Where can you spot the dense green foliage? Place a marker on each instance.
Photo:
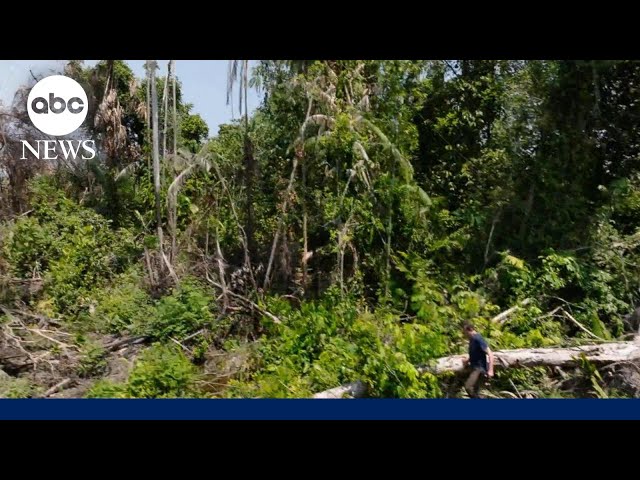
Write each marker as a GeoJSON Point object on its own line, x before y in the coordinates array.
{"type": "Point", "coordinates": [160, 372]}
{"type": "Point", "coordinates": [71, 247]}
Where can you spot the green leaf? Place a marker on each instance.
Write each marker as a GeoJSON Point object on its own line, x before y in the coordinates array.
{"type": "Point", "coordinates": [515, 261]}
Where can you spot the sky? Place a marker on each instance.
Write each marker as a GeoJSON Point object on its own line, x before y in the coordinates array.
{"type": "Point", "coordinates": [204, 84]}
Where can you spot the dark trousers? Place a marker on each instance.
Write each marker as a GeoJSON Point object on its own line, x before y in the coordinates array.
{"type": "Point", "coordinates": [475, 381]}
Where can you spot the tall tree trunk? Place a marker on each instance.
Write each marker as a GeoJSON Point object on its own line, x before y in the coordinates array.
{"type": "Point", "coordinates": [152, 66]}
{"type": "Point", "coordinates": [175, 108]}
{"type": "Point", "coordinates": [388, 255]}
{"type": "Point", "coordinates": [249, 162]}
{"type": "Point", "coordinates": [172, 73]}
{"type": "Point", "coordinates": [496, 218]}
{"type": "Point", "coordinates": [305, 251]}
{"type": "Point", "coordinates": [165, 105]}
{"type": "Point", "coordinates": [149, 117]}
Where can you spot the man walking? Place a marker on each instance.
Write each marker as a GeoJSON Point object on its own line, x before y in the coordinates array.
{"type": "Point", "coordinates": [480, 360]}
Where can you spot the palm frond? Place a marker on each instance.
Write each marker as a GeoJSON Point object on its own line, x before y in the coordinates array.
{"type": "Point", "coordinates": [406, 169]}
{"type": "Point", "coordinates": [232, 76]}
{"type": "Point", "coordinates": [360, 151]}
{"type": "Point", "coordinates": [199, 163]}
{"type": "Point", "coordinates": [243, 67]}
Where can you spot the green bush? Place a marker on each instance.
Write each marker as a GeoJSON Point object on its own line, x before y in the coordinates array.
{"type": "Point", "coordinates": [123, 306]}
{"type": "Point", "coordinates": [325, 344]}
{"type": "Point", "coordinates": [107, 389]}
{"type": "Point", "coordinates": [72, 247]}
{"type": "Point", "coordinates": [17, 388]}
{"type": "Point", "coordinates": [183, 312]}
{"type": "Point", "coordinates": [92, 362]}
{"type": "Point", "coordinates": [161, 371]}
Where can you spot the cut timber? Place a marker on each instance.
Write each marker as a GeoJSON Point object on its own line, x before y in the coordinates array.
{"type": "Point", "coordinates": [602, 354]}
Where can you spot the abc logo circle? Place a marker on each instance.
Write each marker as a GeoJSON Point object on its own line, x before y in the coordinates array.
{"type": "Point", "coordinates": [57, 105]}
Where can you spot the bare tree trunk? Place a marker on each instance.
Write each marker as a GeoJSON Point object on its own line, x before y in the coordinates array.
{"type": "Point", "coordinates": [171, 74]}
{"type": "Point", "coordinates": [249, 166]}
{"type": "Point", "coordinates": [388, 254]}
{"type": "Point", "coordinates": [175, 108]}
{"type": "Point", "coordinates": [341, 266]}
{"type": "Point", "coordinates": [149, 117]}
{"type": "Point", "coordinates": [165, 104]}
{"type": "Point", "coordinates": [221, 274]}
{"type": "Point", "coordinates": [600, 355]}
{"type": "Point", "coordinates": [152, 276]}
{"type": "Point", "coordinates": [305, 249]}
{"type": "Point", "coordinates": [493, 227]}
{"type": "Point", "coordinates": [152, 66]}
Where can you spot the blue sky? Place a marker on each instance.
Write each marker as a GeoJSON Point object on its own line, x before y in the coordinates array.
{"type": "Point", "coordinates": [204, 84]}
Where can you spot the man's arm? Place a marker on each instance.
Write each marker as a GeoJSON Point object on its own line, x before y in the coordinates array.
{"type": "Point", "coordinates": [490, 366]}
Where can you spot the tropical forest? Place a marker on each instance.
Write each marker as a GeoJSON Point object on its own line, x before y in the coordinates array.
{"type": "Point", "coordinates": [331, 242]}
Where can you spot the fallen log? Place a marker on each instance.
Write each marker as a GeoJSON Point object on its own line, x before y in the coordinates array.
{"type": "Point", "coordinates": [125, 342]}
{"type": "Point", "coordinates": [600, 355]}
{"type": "Point", "coordinates": [57, 387]}
{"type": "Point", "coordinates": [354, 389]}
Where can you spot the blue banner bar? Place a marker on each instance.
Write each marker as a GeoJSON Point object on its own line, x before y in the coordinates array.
{"type": "Point", "coordinates": [319, 409]}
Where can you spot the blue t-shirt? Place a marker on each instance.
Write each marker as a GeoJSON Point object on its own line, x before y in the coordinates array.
{"type": "Point", "coordinates": [478, 352]}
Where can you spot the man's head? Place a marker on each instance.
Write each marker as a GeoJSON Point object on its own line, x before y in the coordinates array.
{"type": "Point", "coordinates": [468, 329]}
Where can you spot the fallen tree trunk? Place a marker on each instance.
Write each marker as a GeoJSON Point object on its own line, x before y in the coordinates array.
{"type": "Point", "coordinates": [601, 354]}
{"type": "Point", "coordinates": [125, 342]}
{"type": "Point", "coordinates": [354, 389]}
{"type": "Point", "coordinates": [57, 387]}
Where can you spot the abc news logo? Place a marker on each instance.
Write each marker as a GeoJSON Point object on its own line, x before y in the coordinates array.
{"type": "Point", "coordinates": [40, 105]}
{"type": "Point", "coordinates": [57, 106]}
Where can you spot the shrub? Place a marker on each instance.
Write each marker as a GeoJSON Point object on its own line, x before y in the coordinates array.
{"type": "Point", "coordinates": [16, 387]}
{"type": "Point", "coordinates": [183, 312]}
{"type": "Point", "coordinates": [123, 306]}
{"type": "Point", "coordinates": [162, 371]}
{"type": "Point", "coordinates": [72, 247]}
